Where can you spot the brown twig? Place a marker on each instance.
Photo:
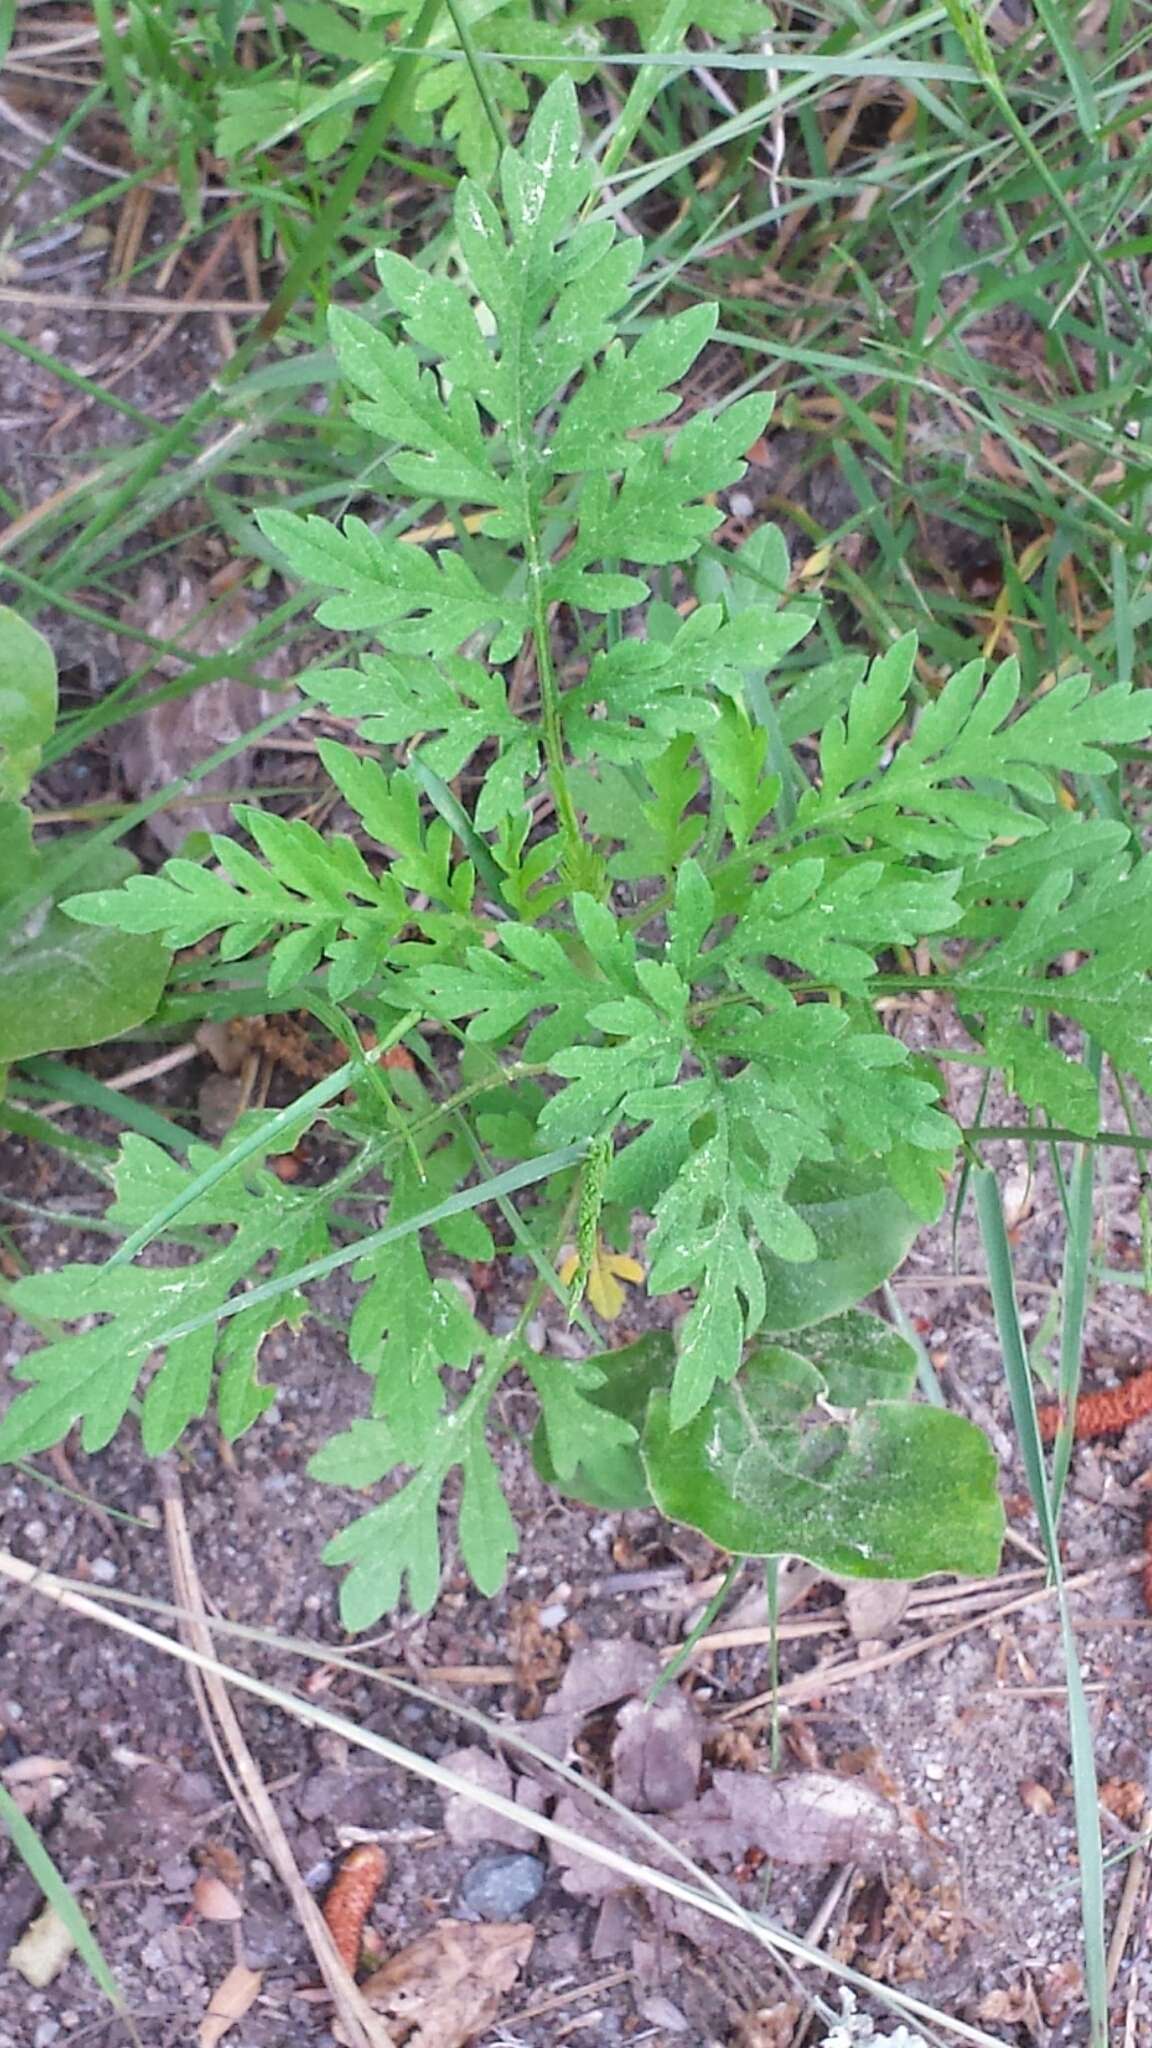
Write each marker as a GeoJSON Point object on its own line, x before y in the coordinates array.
{"type": "Point", "coordinates": [132, 302]}
{"type": "Point", "coordinates": [1125, 1914]}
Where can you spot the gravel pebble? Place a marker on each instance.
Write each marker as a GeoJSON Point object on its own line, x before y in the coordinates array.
{"type": "Point", "coordinates": [500, 1887]}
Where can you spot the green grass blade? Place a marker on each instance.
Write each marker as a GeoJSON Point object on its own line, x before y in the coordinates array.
{"type": "Point", "coordinates": [115, 73]}
{"type": "Point", "coordinates": [39, 1864]}
{"type": "Point", "coordinates": [1077, 1264]}
{"type": "Point", "coordinates": [525, 1175]}
{"type": "Point", "coordinates": [25, 1123]}
{"type": "Point", "coordinates": [1056, 22]}
{"type": "Point", "coordinates": [454, 815]}
{"type": "Point", "coordinates": [259, 1140]}
{"type": "Point", "coordinates": [997, 1252]}
{"type": "Point", "coordinates": [73, 1084]}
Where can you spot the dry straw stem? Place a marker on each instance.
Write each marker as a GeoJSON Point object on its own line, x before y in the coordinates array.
{"type": "Point", "coordinates": [1125, 1915]}
{"type": "Point", "coordinates": [209, 1685]}
{"type": "Point", "coordinates": [833, 1677]}
{"type": "Point", "coordinates": [643, 1876]}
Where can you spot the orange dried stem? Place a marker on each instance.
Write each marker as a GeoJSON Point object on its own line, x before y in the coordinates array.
{"type": "Point", "coordinates": [351, 1896]}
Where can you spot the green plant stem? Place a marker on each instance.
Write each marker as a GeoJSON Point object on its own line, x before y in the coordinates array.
{"type": "Point", "coordinates": [676, 1663]}
{"type": "Point", "coordinates": [476, 67]}
{"type": "Point", "coordinates": [1124, 1141]}
{"type": "Point", "coordinates": [551, 721]}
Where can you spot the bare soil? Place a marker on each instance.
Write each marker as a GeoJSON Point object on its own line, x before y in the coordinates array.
{"type": "Point", "coordinates": [958, 1712]}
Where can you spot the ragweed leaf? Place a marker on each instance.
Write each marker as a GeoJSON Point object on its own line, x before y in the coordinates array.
{"type": "Point", "coordinates": [399, 1541]}
{"type": "Point", "coordinates": [914, 799]}
{"type": "Point", "coordinates": [90, 1377]}
{"type": "Point", "coordinates": [316, 895]}
{"type": "Point", "coordinates": [590, 1417]}
{"type": "Point", "coordinates": [396, 699]}
{"type": "Point", "coordinates": [1105, 918]}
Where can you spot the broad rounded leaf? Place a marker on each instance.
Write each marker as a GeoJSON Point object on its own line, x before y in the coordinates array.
{"type": "Point", "coordinates": [860, 1358]}
{"type": "Point", "coordinates": [27, 701]}
{"type": "Point", "coordinates": [863, 1229]}
{"type": "Point", "coordinates": [64, 984]}
{"type": "Point", "coordinates": [19, 858]}
{"type": "Point", "coordinates": [893, 1490]}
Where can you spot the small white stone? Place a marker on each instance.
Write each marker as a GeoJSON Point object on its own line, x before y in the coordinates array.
{"type": "Point", "coordinates": [104, 1571]}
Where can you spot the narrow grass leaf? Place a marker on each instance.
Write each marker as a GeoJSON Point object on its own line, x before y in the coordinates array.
{"type": "Point", "coordinates": [40, 1866]}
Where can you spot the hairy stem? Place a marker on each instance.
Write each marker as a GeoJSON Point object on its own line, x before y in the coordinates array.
{"type": "Point", "coordinates": [551, 723]}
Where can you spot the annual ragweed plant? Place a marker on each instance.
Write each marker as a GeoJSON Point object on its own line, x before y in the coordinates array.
{"type": "Point", "coordinates": [630, 888]}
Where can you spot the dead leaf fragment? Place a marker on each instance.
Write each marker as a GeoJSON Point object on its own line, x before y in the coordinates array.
{"type": "Point", "coordinates": [165, 743]}
{"type": "Point", "coordinates": [806, 1817]}
{"type": "Point", "coordinates": [582, 1876]}
{"type": "Point", "coordinates": [1124, 1799]}
{"type": "Point", "coordinates": [42, 1950]}
{"type": "Point", "coordinates": [466, 1822]}
{"type": "Point", "coordinates": [1036, 1798]}
{"type": "Point", "coordinates": [1019, 1195]}
{"type": "Point", "coordinates": [212, 1899]}
{"type": "Point", "coordinates": [657, 1753]}
{"type": "Point", "coordinates": [229, 2002]}
{"type": "Point", "coordinates": [1014, 2006]}
{"type": "Point", "coordinates": [30, 1770]}
{"type": "Point", "coordinates": [37, 1782]}
{"type": "Point", "coordinates": [223, 1861]}
{"type": "Point", "coordinates": [1063, 1984]}
{"type": "Point", "coordinates": [448, 1986]}
{"type": "Point", "coordinates": [600, 1673]}
{"type": "Point", "coordinates": [770, 2026]}
{"type": "Point", "coordinates": [874, 1608]}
